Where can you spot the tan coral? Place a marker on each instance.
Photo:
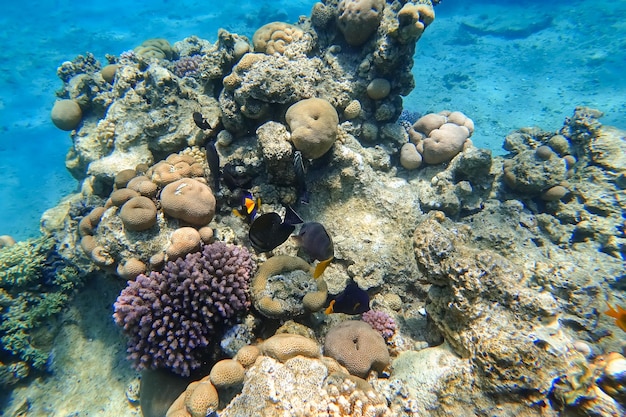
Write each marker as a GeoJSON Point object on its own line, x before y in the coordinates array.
{"type": "Point", "coordinates": [247, 355]}
{"type": "Point", "coordinates": [88, 223]}
{"type": "Point", "coordinates": [184, 240]}
{"type": "Point", "coordinates": [358, 347]}
{"type": "Point", "coordinates": [138, 214]}
{"type": "Point", "coordinates": [6, 241]}
{"type": "Point", "coordinates": [202, 398]}
{"type": "Point", "coordinates": [284, 346]}
{"type": "Point", "coordinates": [122, 178]}
{"type": "Point", "coordinates": [412, 20]}
{"type": "Point", "coordinates": [274, 37]}
{"type": "Point", "coordinates": [143, 185]}
{"type": "Point", "coordinates": [262, 296]}
{"type": "Point", "coordinates": [121, 196]}
{"type": "Point", "coordinates": [313, 123]}
{"type": "Point", "coordinates": [131, 268]}
{"type": "Point", "coordinates": [352, 110]}
{"type": "Point", "coordinates": [359, 19]}
{"type": "Point", "coordinates": [189, 200]}
{"type": "Point", "coordinates": [227, 373]}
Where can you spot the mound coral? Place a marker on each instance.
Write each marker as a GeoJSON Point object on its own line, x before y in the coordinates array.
{"type": "Point", "coordinates": [439, 137]}
{"type": "Point", "coordinates": [313, 123]}
{"type": "Point", "coordinates": [358, 347]}
{"type": "Point", "coordinates": [66, 114]}
{"type": "Point", "coordinates": [170, 316]}
{"type": "Point", "coordinates": [359, 19]}
{"type": "Point", "coordinates": [189, 200]}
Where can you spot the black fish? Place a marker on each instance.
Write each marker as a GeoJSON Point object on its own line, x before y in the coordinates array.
{"type": "Point", "coordinates": [352, 300]}
{"type": "Point", "coordinates": [213, 160]}
{"type": "Point", "coordinates": [268, 231]}
{"type": "Point", "coordinates": [317, 243]}
{"type": "Point", "coordinates": [235, 175]}
{"type": "Point", "coordinates": [200, 121]}
{"type": "Point", "coordinates": [298, 166]}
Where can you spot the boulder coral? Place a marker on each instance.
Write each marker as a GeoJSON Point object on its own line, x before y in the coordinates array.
{"type": "Point", "coordinates": [138, 214]}
{"type": "Point", "coordinates": [359, 19]}
{"type": "Point", "coordinates": [358, 347]}
{"type": "Point", "coordinates": [66, 114]}
{"type": "Point", "coordinates": [439, 137]}
{"type": "Point", "coordinates": [313, 125]}
{"type": "Point", "coordinates": [189, 200]}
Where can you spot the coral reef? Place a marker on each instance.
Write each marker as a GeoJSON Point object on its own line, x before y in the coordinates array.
{"type": "Point", "coordinates": [172, 316]}
{"type": "Point", "coordinates": [495, 268]}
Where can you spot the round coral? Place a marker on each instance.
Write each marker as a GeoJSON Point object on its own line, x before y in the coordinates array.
{"type": "Point", "coordinates": [138, 214]}
{"type": "Point", "coordinates": [358, 347]}
{"type": "Point", "coordinates": [189, 200]}
{"type": "Point", "coordinates": [173, 315]}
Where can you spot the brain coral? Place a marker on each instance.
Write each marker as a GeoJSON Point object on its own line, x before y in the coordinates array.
{"type": "Point", "coordinates": [358, 19]}
{"type": "Point", "coordinates": [189, 200]}
{"type": "Point", "coordinates": [357, 346]}
{"type": "Point", "coordinates": [274, 37]}
{"type": "Point", "coordinates": [313, 123]}
{"type": "Point", "coordinates": [171, 316]}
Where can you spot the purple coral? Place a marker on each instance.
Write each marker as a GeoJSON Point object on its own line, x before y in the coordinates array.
{"type": "Point", "coordinates": [171, 316]}
{"type": "Point", "coordinates": [187, 66]}
{"type": "Point", "coordinates": [381, 322]}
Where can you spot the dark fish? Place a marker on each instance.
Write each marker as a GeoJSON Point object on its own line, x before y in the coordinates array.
{"type": "Point", "coordinates": [213, 160]}
{"type": "Point", "coordinates": [200, 121]}
{"type": "Point", "coordinates": [249, 206]}
{"type": "Point", "coordinates": [235, 175]}
{"type": "Point", "coordinates": [268, 231]}
{"type": "Point", "coordinates": [298, 166]}
{"type": "Point", "coordinates": [317, 243]}
{"type": "Point", "coordinates": [352, 300]}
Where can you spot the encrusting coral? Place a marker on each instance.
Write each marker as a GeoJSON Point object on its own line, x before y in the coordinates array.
{"type": "Point", "coordinates": [171, 316]}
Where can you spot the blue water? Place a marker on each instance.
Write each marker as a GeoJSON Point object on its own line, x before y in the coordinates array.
{"type": "Point", "coordinates": [506, 83]}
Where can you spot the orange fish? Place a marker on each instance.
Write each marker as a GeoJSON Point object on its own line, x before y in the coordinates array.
{"type": "Point", "coordinates": [619, 314]}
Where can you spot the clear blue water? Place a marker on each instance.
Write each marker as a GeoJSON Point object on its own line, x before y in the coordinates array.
{"type": "Point", "coordinates": [506, 83]}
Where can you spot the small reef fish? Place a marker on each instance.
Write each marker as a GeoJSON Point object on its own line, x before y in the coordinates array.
{"type": "Point", "coordinates": [268, 231]}
{"type": "Point", "coordinates": [317, 243]}
{"type": "Point", "coordinates": [298, 165]}
{"type": "Point", "coordinates": [352, 300]}
{"type": "Point", "coordinates": [619, 314]}
{"type": "Point", "coordinates": [249, 207]}
{"type": "Point", "coordinates": [200, 121]}
{"type": "Point", "coordinates": [213, 160]}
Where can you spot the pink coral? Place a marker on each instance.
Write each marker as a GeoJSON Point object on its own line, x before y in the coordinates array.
{"type": "Point", "coordinates": [380, 321]}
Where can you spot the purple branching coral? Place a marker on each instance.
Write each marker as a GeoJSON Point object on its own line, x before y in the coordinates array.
{"type": "Point", "coordinates": [171, 316]}
{"type": "Point", "coordinates": [380, 321]}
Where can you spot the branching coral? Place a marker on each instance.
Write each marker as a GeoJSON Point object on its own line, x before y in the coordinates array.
{"type": "Point", "coordinates": [170, 316]}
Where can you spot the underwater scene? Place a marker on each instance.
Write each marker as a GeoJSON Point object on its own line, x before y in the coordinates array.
{"type": "Point", "coordinates": [298, 208]}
